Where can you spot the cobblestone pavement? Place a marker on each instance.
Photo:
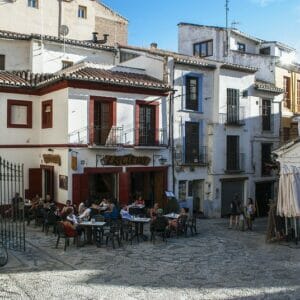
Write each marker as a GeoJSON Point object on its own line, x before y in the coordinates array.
{"type": "Point", "coordinates": [218, 263]}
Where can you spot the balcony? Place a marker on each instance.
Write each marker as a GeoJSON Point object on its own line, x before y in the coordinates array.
{"type": "Point", "coordinates": [196, 159]}
{"type": "Point", "coordinates": [235, 116]}
{"type": "Point", "coordinates": [146, 137]}
{"type": "Point", "coordinates": [98, 136]}
{"type": "Point", "coordinates": [235, 163]}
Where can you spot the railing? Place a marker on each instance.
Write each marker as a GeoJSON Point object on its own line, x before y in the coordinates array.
{"type": "Point", "coordinates": [99, 136]}
{"type": "Point", "coordinates": [235, 116]}
{"type": "Point", "coordinates": [107, 136]}
{"type": "Point", "coordinates": [116, 136]}
{"type": "Point", "coordinates": [198, 158]}
{"type": "Point", "coordinates": [235, 163]}
{"type": "Point", "coordinates": [146, 137]}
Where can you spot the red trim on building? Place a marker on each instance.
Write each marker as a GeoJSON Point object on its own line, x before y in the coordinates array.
{"type": "Point", "coordinates": [102, 170]}
{"type": "Point", "coordinates": [80, 84]}
{"type": "Point", "coordinates": [28, 105]}
{"type": "Point", "coordinates": [44, 146]}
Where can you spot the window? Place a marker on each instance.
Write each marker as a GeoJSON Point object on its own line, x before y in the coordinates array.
{"type": "Point", "coordinates": [233, 106]}
{"type": "Point", "coordinates": [203, 49]}
{"type": "Point", "coordinates": [19, 114]}
{"type": "Point", "coordinates": [47, 114]}
{"type": "Point", "coordinates": [265, 51]}
{"type": "Point", "coordinates": [266, 161]}
{"type": "Point", "coordinates": [298, 96]}
{"type": "Point", "coordinates": [287, 94]}
{"type": "Point", "coordinates": [241, 47]}
{"type": "Point", "coordinates": [66, 64]}
{"type": "Point", "coordinates": [2, 62]}
{"type": "Point", "coordinates": [233, 153]}
{"type": "Point", "coordinates": [82, 12]}
{"type": "Point", "coordinates": [182, 190]}
{"type": "Point", "coordinates": [192, 154]}
{"type": "Point", "coordinates": [266, 114]}
{"type": "Point", "coordinates": [147, 133]}
{"type": "Point", "coordinates": [33, 3]}
{"type": "Point", "coordinates": [125, 56]}
{"type": "Point", "coordinates": [192, 93]}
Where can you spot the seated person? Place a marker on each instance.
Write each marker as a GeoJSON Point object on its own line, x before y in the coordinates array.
{"type": "Point", "coordinates": [70, 229]}
{"type": "Point", "coordinates": [139, 201]}
{"type": "Point", "coordinates": [68, 204]}
{"type": "Point", "coordinates": [125, 214]}
{"type": "Point", "coordinates": [153, 211]}
{"type": "Point", "coordinates": [90, 212]}
{"type": "Point", "coordinates": [183, 215]}
{"type": "Point", "coordinates": [69, 213]}
{"type": "Point", "coordinates": [104, 202]}
{"type": "Point", "coordinates": [112, 211]}
{"type": "Point", "coordinates": [81, 208]}
{"type": "Point", "coordinates": [160, 223]}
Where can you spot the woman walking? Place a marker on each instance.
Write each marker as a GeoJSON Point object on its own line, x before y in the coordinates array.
{"type": "Point", "coordinates": [250, 211]}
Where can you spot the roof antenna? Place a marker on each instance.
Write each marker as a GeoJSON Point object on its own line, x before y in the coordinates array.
{"type": "Point", "coordinates": [234, 23]}
{"type": "Point", "coordinates": [227, 30]}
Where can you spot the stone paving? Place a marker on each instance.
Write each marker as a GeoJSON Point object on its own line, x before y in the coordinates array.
{"type": "Point", "coordinates": [218, 263]}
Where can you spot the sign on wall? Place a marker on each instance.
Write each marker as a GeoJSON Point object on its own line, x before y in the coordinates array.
{"type": "Point", "coordinates": [52, 158]}
{"type": "Point", "coordinates": [125, 160]}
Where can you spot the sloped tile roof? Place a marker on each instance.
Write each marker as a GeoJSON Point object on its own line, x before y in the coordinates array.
{"type": "Point", "coordinates": [268, 87]}
{"type": "Point", "coordinates": [241, 68]}
{"type": "Point", "coordinates": [79, 43]}
{"type": "Point", "coordinates": [84, 73]}
{"type": "Point", "coordinates": [117, 77]}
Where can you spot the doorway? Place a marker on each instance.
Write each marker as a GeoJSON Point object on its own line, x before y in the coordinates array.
{"type": "Point", "coordinates": [103, 185]}
{"type": "Point", "coordinates": [229, 190]}
{"type": "Point", "coordinates": [263, 192]}
{"type": "Point", "coordinates": [196, 190]}
{"type": "Point", "coordinates": [150, 185]}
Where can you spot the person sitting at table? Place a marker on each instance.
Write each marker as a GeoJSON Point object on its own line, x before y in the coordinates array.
{"type": "Point", "coordinates": [160, 222]}
{"type": "Point", "coordinates": [153, 211]}
{"type": "Point", "coordinates": [139, 201]}
{"type": "Point", "coordinates": [183, 215]}
{"type": "Point", "coordinates": [104, 202]}
{"type": "Point", "coordinates": [81, 208]}
{"type": "Point", "coordinates": [90, 212]}
{"type": "Point", "coordinates": [48, 202]}
{"type": "Point", "coordinates": [125, 213]}
{"type": "Point", "coordinates": [112, 211]}
{"type": "Point", "coordinates": [69, 213]}
{"type": "Point", "coordinates": [68, 204]}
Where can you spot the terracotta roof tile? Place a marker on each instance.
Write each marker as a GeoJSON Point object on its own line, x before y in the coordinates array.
{"type": "Point", "coordinates": [117, 77]}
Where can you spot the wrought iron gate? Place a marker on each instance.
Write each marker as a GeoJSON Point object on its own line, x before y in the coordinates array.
{"type": "Point", "coordinates": [12, 220]}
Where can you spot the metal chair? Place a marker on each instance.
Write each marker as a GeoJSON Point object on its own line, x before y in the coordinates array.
{"type": "Point", "coordinates": [62, 234]}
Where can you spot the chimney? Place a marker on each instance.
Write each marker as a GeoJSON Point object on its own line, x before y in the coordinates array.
{"type": "Point", "coordinates": [95, 38]}
{"type": "Point", "coordinates": [153, 46]}
{"type": "Point", "coordinates": [104, 40]}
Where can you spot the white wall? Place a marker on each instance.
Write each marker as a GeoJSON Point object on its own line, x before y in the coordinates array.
{"type": "Point", "coordinates": [17, 54]}
{"type": "Point", "coordinates": [48, 57]}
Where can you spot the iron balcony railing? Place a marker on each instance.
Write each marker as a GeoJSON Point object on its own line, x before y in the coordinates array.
{"type": "Point", "coordinates": [146, 137]}
{"type": "Point", "coordinates": [199, 158]}
{"type": "Point", "coordinates": [235, 163]}
{"type": "Point", "coordinates": [235, 116]}
{"type": "Point", "coordinates": [98, 136]}
{"type": "Point", "coordinates": [107, 136]}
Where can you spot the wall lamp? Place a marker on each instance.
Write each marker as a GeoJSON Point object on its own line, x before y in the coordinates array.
{"type": "Point", "coordinates": [161, 159]}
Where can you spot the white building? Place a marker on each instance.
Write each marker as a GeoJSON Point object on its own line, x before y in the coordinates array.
{"type": "Point", "coordinates": [80, 17]}
{"type": "Point", "coordinates": [247, 110]}
{"type": "Point", "coordinates": [92, 128]}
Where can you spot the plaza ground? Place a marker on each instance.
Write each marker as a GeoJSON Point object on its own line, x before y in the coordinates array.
{"type": "Point", "coordinates": [218, 263]}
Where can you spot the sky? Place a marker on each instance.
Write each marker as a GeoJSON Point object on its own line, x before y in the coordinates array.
{"type": "Point", "coordinates": [156, 20]}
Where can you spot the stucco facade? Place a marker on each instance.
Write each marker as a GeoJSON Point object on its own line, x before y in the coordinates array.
{"type": "Point", "coordinates": [49, 15]}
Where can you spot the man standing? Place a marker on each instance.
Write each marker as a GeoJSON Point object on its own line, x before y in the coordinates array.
{"type": "Point", "coordinates": [16, 200]}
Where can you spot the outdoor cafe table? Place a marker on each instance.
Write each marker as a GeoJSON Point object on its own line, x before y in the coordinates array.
{"type": "Point", "coordinates": [89, 225]}
{"type": "Point", "coordinates": [139, 227]}
{"type": "Point", "coordinates": [172, 216]}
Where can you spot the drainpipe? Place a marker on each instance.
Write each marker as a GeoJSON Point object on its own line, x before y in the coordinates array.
{"type": "Point", "coordinates": [59, 16]}
{"type": "Point", "coordinates": [171, 118]}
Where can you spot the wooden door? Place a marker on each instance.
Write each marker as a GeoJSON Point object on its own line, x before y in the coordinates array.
{"type": "Point", "coordinates": [102, 121]}
{"type": "Point", "coordinates": [80, 188]}
{"type": "Point", "coordinates": [35, 182]}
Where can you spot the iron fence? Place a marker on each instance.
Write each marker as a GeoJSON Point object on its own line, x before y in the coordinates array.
{"type": "Point", "coordinates": [12, 221]}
